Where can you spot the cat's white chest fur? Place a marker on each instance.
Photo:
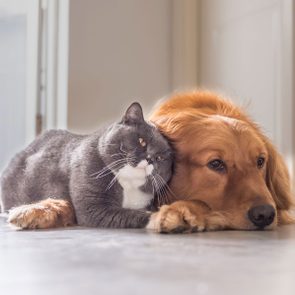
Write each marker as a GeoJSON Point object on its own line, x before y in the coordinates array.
{"type": "Point", "coordinates": [131, 179]}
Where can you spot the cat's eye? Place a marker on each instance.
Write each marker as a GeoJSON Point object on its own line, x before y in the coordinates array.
{"type": "Point", "coordinates": [159, 158]}
{"type": "Point", "coordinates": [142, 142]}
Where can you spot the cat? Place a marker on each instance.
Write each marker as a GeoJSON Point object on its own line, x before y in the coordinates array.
{"type": "Point", "coordinates": [110, 177]}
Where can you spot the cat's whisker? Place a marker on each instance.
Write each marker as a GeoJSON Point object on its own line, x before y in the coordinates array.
{"type": "Point", "coordinates": [108, 168]}
{"type": "Point", "coordinates": [153, 187]}
{"type": "Point", "coordinates": [165, 193]}
{"type": "Point", "coordinates": [113, 163]}
{"type": "Point", "coordinates": [158, 196]}
{"type": "Point", "coordinates": [166, 186]}
{"type": "Point", "coordinates": [154, 190]}
{"type": "Point", "coordinates": [158, 190]}
{"type": "Point", "coordinates": [112, 182]}
{"type": "Point", "coordinates": [129, 161]}
{"type": "Point", "coordinates": [108, 172]}
{"type": "Point", "coordinates": [105, 174]}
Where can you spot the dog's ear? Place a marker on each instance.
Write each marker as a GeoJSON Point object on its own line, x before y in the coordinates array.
{"type": "Point", "coordinates": [278, 182]}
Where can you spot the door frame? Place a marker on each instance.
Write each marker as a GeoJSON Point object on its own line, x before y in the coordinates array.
{"type": "Point", "coordinates": [285, 110]}
{"type": "Point", "coordinates": [47, 66]}
{"type": "Point", "coordinates": [56, 60]}
{"type": "Point", "coordinates": [33, 41]}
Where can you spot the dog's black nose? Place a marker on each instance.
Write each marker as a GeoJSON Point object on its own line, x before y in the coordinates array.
{"type": "Point", "coordinates": [262, 215]}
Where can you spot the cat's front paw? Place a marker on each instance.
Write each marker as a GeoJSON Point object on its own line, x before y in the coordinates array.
{"type": "Point", "coordinates": [180, 217]}
{"type": "Point", "coordinates": [26, 216]}
{"type": "Point", "coordinates": [44, 214]}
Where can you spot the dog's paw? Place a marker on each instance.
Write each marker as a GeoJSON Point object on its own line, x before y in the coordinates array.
{"type": "Point", "coordinates": [45, 214]}
{"type": "Point", "coordinates": [180, 217]}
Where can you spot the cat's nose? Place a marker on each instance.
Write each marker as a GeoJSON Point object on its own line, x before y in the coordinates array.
{"type": "Point", "coordinates": [149, 160]}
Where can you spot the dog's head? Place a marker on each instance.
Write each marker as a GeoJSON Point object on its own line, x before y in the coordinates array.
{"type": "Point", "coordinates": [223, 159]}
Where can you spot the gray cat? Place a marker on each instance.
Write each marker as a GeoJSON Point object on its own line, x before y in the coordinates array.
{"type": "Point", "coordinates": [110, 177]}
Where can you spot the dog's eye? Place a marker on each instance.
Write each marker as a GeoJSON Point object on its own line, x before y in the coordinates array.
{"type": "Point", "coordinates": [217, 165]}
{"type": "Point", "coordinates": [260, 162]}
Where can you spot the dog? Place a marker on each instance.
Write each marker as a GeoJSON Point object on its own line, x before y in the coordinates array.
{"type": "Point", "coordinates": [228, 175]}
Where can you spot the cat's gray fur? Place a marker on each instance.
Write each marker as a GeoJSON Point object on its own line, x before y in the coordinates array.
{"type": "Point", "coordinates": [64, 165]}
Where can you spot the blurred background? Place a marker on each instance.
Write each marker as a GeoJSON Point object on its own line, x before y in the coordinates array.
{"type": "Point", "coordinates": [77, 63]}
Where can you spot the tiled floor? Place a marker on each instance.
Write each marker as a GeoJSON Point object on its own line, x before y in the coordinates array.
{"type": "Point", "coordinates": [96, 261]}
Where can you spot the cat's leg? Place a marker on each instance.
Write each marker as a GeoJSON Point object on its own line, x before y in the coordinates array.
{"type": "Point", "coordinates": [187, 216]}
{"type": "Point", "coordinates": [102, 214]}
{"type": "Point", "coordinates": [49, 213]}
{"type": "Point", "coordinates": [116, 218]}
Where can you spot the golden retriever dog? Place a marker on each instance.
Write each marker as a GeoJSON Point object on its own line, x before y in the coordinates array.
{"type": "Point", "coordinates": [228, 175]}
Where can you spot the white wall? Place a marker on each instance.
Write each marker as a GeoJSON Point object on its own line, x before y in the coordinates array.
{"type": "Point", "coordinates": [120, 51]}
{"type": "Point", "coordinates": [128, 50]}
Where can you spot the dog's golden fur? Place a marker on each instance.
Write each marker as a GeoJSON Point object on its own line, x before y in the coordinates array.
{"type": "Point", "coordinates": [203, 127]}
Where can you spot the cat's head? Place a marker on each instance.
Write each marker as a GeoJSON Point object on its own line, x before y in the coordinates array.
{"type": "Point", "coordinates": [139, 144]}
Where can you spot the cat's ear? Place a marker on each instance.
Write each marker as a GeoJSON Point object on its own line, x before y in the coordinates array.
{"type": "Point", "coordinates": [133, 114]}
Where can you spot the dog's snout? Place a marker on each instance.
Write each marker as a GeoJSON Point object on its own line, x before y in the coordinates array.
{"type": "Point", "coordinates": [262, 216]}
